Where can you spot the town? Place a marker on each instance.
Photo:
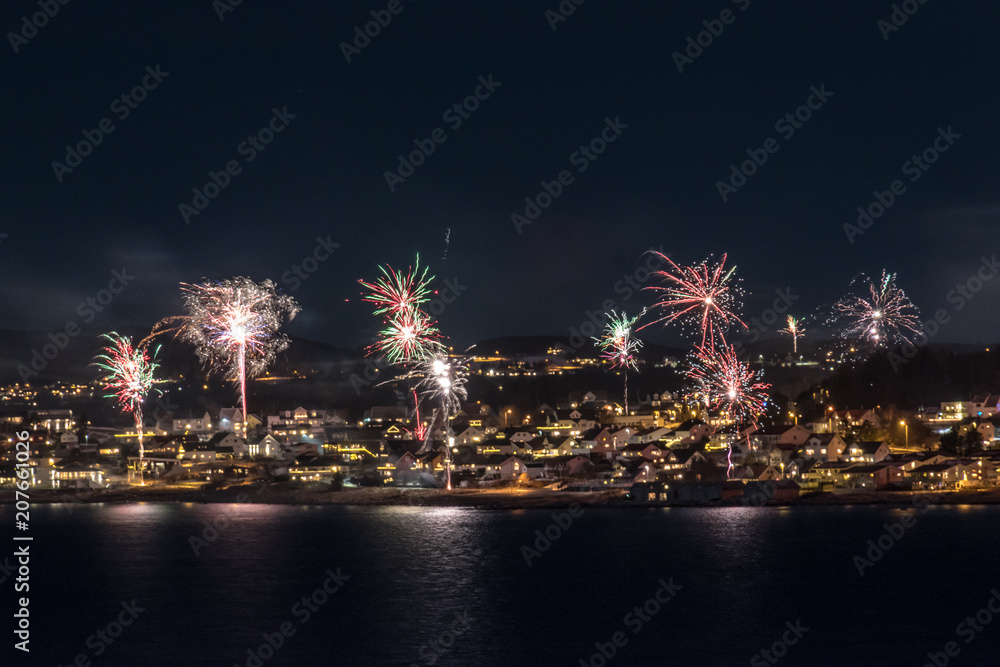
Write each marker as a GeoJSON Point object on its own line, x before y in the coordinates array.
{"type": "Point", "coordinates": [665, 447]}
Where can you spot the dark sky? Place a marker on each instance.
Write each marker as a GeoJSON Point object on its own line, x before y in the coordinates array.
{"type": "Point", "coordinates": [654, 186]}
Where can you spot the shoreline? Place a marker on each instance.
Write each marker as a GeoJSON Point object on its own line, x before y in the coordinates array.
{"type": "Point", "coordinates": [502, 499]}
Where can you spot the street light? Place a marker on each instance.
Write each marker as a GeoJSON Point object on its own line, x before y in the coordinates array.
{"type": "Point", "coordinates": [907, 427]}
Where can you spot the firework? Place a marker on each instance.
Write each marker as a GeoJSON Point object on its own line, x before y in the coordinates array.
{"type": "Point", "coordinates": [729, 385]}
{"type": "Point", "coordinates": [419, 430]}
{"type": "Point", "coordinates": [703, 295]}
{"type": "Point", "coordinates": [886, 317]}
{"type": "Point", "coordinates": [794, 329]}
{"type": "Point", "coordinates": [397, 292]}
{"type": "Point", "coordinates": [233, 326]}
{"type": "Point", "coordinates": [128, 374]}
{"type": "Point", "coordinates": [618, 346]}
{"type": "Point", "coordinates": [408, 336]}
{"type": "Point", "coordinates": [441, 379]}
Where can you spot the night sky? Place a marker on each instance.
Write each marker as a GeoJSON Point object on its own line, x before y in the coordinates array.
{"type": "Point", "coordinates": [655, 185]}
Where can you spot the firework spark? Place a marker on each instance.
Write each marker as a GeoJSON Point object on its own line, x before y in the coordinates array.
{"type": "Point", "coordinates": [442, 379]}
{"type": "Point", "coordinates": [618, 346]}
{"type": "Point", "coordinates": [794, 329]}
{"type": "Point", "coordinates": [233, 326]}
{"type": "Point", "coordinates": [703, 295]}
{"type": "Point", "coordinates": [397, 292]}
{"type": "Point", "coordinates": [128, 374]}
{"type": "Point", "coordinates": [408, 336]}
{"type": "Point", "coordinates": [729, 385]}
{"type": "Point", "coordinates": [886, 317]}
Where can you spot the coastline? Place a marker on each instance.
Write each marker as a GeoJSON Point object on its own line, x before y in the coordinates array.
{"type": "Point", "coordinates": [501, 499]}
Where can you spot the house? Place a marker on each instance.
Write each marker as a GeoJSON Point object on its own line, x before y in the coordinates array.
{"type": "Point", "coordinates": [799, 468]}
{"type": "Point", "coordinates": [520, 434]}
{"type": "Point", "coordinates": [192, 424]}
{"type": "Point", "coordinates": [875, 476]}
{"type": "Point", "coordinates": [77, 476]}
{"type": "Point", "coordinates": [567, 466]}
{"type": "Point", "coordinates": [985, 405]}
{"type": "Point", "coordinates": [231, 419]}
{"type": "Point", "coordinates": [689, 432]}
{"type": "Point", "coordinates": [683, 458]}
{"type": "Point", "coordinates": [823, 447]}
{"type": "Point", "coordinates": [909, 463]}
{"type": "Point", "coordinates": [952, 474]}
{"type": "Point", "coordinates": [647, 435]}
{"type": "Point", "coordinates": [316, 469]}
{"type": "Point", "coordinates": [267, 447]}
{"type": "Point", "coordinates": [512, 467]}
{"type": "Point", "coordinates": [551, 445]}
{"type": "Point", "coordinates": [867, 452]}
{"type": "Point", "coordinates": [779, 434]}
{"type": "Point", "coordinates": [651, 451]}
{"type": "Point", "coordinates": [470, 435]}
{"type": "Point", "coordinates": [841, 420]}
{"type": "Point", "coordinates": [759, 472]}
{"type": "Point", "coordinates": [385, 413]}
{"type": "Point", "coordinates": [828, 473]}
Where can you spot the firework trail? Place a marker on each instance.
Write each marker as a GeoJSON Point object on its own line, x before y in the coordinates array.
{"type": "Point", "coordinates": [442, 379]}
{"type": "Point", "coordinates": [419, 430]}
{"type": "Point", "coordinates": [886, 317]}
{"type": "Point", "coordinates": [703, 296]}
{"type": "Point", "coordinates": [233, 326]}
{"type": "Point", "coordinates": [128, 374]}
{"type": "Point", "coordinates": [729, 385]}
{"type": "Point", "coordinates": [618, 346]}
{"type": "Point", "coordinates": [447, 243]}
{"type": "Point", "coordinates": [794, 329]}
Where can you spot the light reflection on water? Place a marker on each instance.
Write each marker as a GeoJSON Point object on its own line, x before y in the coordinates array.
{"type": "Point", "coordinates": [745, 571]}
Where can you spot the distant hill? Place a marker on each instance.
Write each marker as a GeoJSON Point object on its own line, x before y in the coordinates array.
{"type": "Point", "coordinates": [539, 345]}
{"type": "Point", "coordinates": [71, 356]}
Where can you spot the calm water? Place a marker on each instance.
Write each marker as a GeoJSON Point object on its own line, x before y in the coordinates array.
{"type": "Point", "coordinates": [412, 573]}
